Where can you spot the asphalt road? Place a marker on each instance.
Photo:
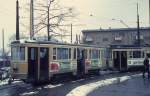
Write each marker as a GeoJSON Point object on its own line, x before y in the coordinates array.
{"type": "Point", "coordinates": [61, 88]}
{"type": "Point", "coordinates": [136, 86]}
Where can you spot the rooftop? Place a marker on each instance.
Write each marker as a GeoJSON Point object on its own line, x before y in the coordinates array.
{"type": "Point", "coordinates": [115, 29]}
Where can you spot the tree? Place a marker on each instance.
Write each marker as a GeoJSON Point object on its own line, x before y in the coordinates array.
{"type": "Point", "coordinates": [52, 18]}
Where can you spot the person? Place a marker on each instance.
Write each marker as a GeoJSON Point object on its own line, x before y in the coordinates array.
{"type": "Point", "coordinates": [146, 67]}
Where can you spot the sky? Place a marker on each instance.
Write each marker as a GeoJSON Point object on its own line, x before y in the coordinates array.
{"type": "Point", "coordinates": [93, 14]}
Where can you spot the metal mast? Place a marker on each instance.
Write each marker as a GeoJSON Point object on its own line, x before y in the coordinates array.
{"type": "Point", "coordinates": [138, 27]}
{"type": "Point", "coordinates": [31, 19]}
{"type": "Point", "coordinates": [149, 13]}
{"type": "Point", "coordinates": [71, 32]}
{"type": "Point", "coordinates": [17, 20]}
{"type": "Point", "coordinates": [3, 55]}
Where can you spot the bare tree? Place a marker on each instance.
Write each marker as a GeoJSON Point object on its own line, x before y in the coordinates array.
{"type": "Point", "coordinates": [52, 18]}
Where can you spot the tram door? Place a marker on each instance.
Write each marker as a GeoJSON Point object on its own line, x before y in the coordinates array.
{"type": "Point", "coordinates": [44, 64]}
{"type": "Point", "coordinates": [32, 63]}
{"type": "Point", "coordinates": [80, 61]}
{"type": "Point", "coordinates": [120, 60]}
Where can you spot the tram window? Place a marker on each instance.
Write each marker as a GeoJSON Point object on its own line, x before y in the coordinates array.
{"type": "Point", "coordinates": [99, 54]}
{"type": "Point", "coordinates": [90, 54]}
{"type": "Point", "coordinates": [130, 54]}
{"type": "Point", "coordinates": [148, 55]}
{"type": "Point", "coordinates": [54, 53]}
{"type": "Point", "coordinates": [94, 54]}
{"type": "Point", "coordinates": [143, 54]}
{"type": "Point", "coordinates": [62, 53]}
{"type": "Point", "coordinates": [43, 52]}
{"type": "Point", "coordinates": [85, 54]}
{"type": "Point", "coordinates": [69, 53]}
{"type": "Point", "coordinates": [74, 53]}
{"type": "Point", "coordinates": [33, 54]}
{"type": "Point", "coordinates": [22, 53]}
{"type": "Point", "coordinates": [18, 53]}
{"type": "Point", "coordinates": [136, 54]}
{"type": "Point", "coordinates": [14, 53]}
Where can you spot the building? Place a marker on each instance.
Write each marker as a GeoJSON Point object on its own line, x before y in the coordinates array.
{"type": "Point", "coordinates": [119, 36]}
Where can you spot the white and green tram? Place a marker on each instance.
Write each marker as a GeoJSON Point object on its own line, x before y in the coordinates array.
{"type": "Point", "coordinates": [128, 57]}
{"type": "Point", "coordinates": [39, 61]}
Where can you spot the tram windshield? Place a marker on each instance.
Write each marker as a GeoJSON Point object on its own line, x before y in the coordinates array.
{"type": "Point", "coordinates": [18, 53]}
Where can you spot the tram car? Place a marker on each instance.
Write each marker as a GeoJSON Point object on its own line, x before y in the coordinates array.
{"type": "Point", "coordinates": [39, 61]}
{"type": "Point", "coordinates": [128, 57]}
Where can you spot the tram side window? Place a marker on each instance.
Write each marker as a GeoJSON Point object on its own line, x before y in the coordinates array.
{"type": "Point", "coordinates": [74, 53]}
{"type": "Point", "coordinates": [33, 54]}
{"type": "Point", "coordinates": [54, 53]}
{"type": "Point", "coordinates": [62, 53]}
{"type": "Point", "coordinates": [99, 54]}
{"type": "Point", "coordinates": [85, 54]}
{"type": "Point", "coordinates": [95, 54]}
{"type": "Point", "coordinates": [90, 54]}
{"type": "Point", "coordinates": [130, 54]}
{"type": "Point", "coordinates": [22, 53]}
{"type": "Point", "coordinates": [148, 55]}
{"type": "Point", "coordinates": [136, 54]}
{"type": "Point", "coordinates": [18, 53]}
{"type": "Point", "coordinates": [69, 53]}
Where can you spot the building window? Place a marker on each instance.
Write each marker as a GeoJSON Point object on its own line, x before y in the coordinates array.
{"type": "Point", "coordinates": [105, 39]}
{"type": "Point", "coordinates": [118, 38]}
{"type": "Point", "coordinates": [147, 37]}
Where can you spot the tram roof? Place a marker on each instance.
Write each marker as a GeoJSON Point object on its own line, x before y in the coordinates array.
{"type": "Point", "coordinates": [50, 42]}
{"type": "Point", "coordinates": [128, 46]}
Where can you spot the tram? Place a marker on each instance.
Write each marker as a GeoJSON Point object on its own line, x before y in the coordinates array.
{"type": "Point", "coordinates": [128, 57]}
{"type": "Point", "coordinates": [39, 61]}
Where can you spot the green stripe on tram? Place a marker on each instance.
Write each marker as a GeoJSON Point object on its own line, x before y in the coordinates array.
{"type": "Point", "coordinates": [95, 63]}
{"type": "Point", "coordinates": [65, 65]}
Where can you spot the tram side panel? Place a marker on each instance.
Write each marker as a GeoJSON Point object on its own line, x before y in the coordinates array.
{"type": "Point", "coordinates": [63, 60]}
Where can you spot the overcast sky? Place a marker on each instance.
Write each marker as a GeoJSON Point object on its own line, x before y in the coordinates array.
{"type": "Point", "coordinates": [92, 14]}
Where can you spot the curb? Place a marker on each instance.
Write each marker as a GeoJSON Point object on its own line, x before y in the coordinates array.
{"type": "Point", "coordinates": [84, 90]}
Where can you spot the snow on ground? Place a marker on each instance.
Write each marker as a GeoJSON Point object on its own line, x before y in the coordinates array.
{"type": "Point", "coordinates": [84, 90]}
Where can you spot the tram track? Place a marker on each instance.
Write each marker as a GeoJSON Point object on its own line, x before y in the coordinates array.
{"type": "Point", "coordinates": [14, 85]}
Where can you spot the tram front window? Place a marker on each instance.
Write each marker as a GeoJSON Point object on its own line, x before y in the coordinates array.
{"type": "Point", "coordinates": [18, 53]}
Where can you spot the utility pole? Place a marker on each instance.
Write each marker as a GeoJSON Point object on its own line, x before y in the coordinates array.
{"type": "Point", "coordinates": [149, 13]}
{"type": "Point", "coordinates": [3, 47]}
{"type": "Point", "coordinates": [71, 32]}
{"type": "Point", "coordinates": [48, 25]}
{"type": "Point", "coordinates": [17, 20]}
{"type": "Point", "coordinates": [138, 27]}
{"type": "Point", "coordinates": [31, 19]}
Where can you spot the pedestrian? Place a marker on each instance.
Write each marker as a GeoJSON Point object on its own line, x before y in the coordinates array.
{"type": "Point", "coordinates": [146, 67]}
